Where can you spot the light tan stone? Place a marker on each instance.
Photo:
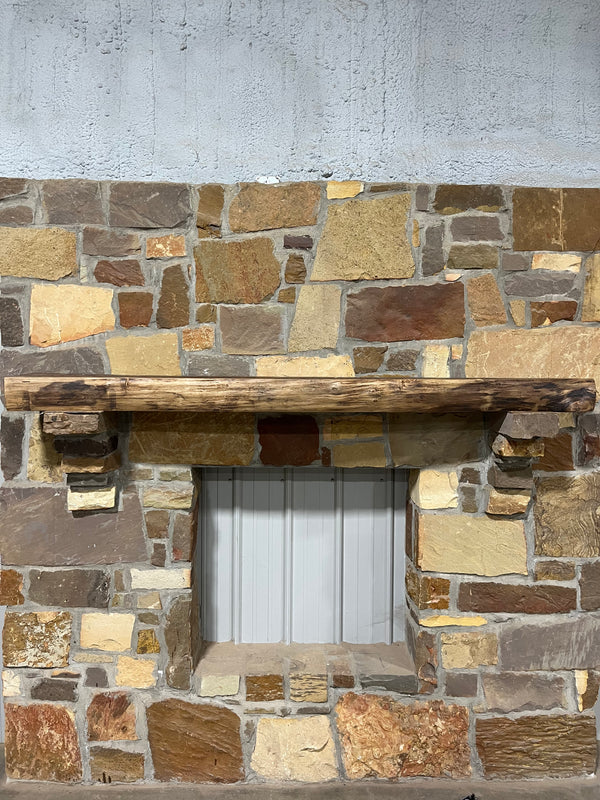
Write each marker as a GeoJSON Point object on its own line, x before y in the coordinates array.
{"type": "Point", "coordinates": [92, 658]}
{"type": "Point", "coordinates": [157, 497]}
{"type": "Point", "coordinates": [556, 261]}
{"type": "Point", "coordinates": [202, 338]}
{"type": "Point", "coordinates": [44, 463]}
{"type": "Point", "coordinates": [307, 688]}
{"type": "Point", "coordinates": [161, 578]}
{"type": "Point", "coordinates": [316, 320]}
{"type": "Point", "coordinates": [591, 295]}
{"type": "Point", "coordinates": [175, 474]}
{"type": "Point", "coordinates": [67, 312]}
{"type": "Point", "coordinates": [157, 354]}
{"type": "Point", "coordinates": [357, 426]}
{"type": "Point", "coordinates": [304, 367]}
{"type": "Point", "coordinates": [169, 246]}
{"type": "Point", "coordinates": [581, 684]}
{"type": "Point", "coordinates": [110, 632]}
{"type": "Point", "coordinates": [40, 639]}
{"type": "Point", "coordinates": [444, 621]}
{"type": "Point", "coordinates": [295, 750]}
{"type": "Point", "coordinates": [469, 650]}
{"type": "Point", "coordinates": [148, 600]}
{"type": "Point", "coordinates": [360, 454]}
{"type": "Point", "coordinates": [11, 683]}
{"type": "Point", "coordinates": [435, 361]}
{"type": "Point", "coordinates": [339, 190]}
{"type": "Point", "coordinates": [139, 673]}
{"type": "Point", "coordinates": [416, 236]}
{"type": "Point", "coordinates": [92, 500]}
{"type": "Point", "coordinates": [365, 240]}
{"type": "Point", "coordinates": [517, 312]}
{"type": "Point", "coordinates": [507, 503]}
{"type": "Point", "coordinates": [464, 543]}
{"type": "Point", "coordinates": [456, 352]}
{"type": "Point", "coordinates": [485, 301]}
{"type": "Point", "coordinates": [435, 489]}
{"type": "Point", "coordinates": [219, 685]}
{"type": "Point", "coordinates": [48, 253]}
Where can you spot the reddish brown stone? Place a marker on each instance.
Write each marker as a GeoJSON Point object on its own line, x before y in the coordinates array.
{"type": "Point", "coordinates": [236, 272]}
{"type": "Point", "coordinates": [537, 747]}
{"type": "Point", "coordinates": [342, 680]}
{"type": "Point", "coordinates": [580, 215]}
{"type": "Point", "coordinates": [554, 571]}
{"type": "Point", "coordinates": [195, 743]}
{"type": "Point", "coordinates": [157, 524]}
{"type": "Point", "coordinates": [252, 330]}
{"type": "Point", "coordinates": [120, 273]}
{"type": "Point", "coordinates": [425, 591]}
{"type": "Point", "coordinates": [109, 765]}
{"type": "Point", "coordinates": [491, 598]}
{"type": "Point", "coordinates": [16, 215]}
{"type": "Point", "coordinates": [11, 187]}
{"type": "Point", "coordinates": [295, 269]}
{"type": "Point", "coordinates": [12, 431]}
{"type": "Point", "coordinates": [432, 256]}
{"type": "Point", "coordinates": [589, 585]}
{"type": "Point", "coordinates": [451, 199]}
{"type": "Point", "coordinates": [11, 322]}
{"type": "Point", "coordinates": [73, 588]}
{"type": "Point", "coordinates": [368, 359]}
{"type": "Point", "coordinates": [297, 241]}
{"type": "Point", "coordinates": [71, 201]}
{"type": "Point", "coordinates": [259, 207]}
{"type": "Point", "coordinates": [41, 744]}
{"type": "Point", "coordinates": [183, 537]}
{"type": "Point", "coordinates": [263, 688]}
{"type": "Point", "coordinates": [291, 440]}
{"type": "Point", "coordinates": [173, 304]}
{"type": "Point", "coordinates": [552, 311]}
{"type": "Point", "coordinates": [402, 361]}
{"type": "Point", "coordinates": [149, 205]}
{"type": "Point", "coordinates": [111, 716]}
{"type": "Point", "coordinates": [325, 456]}
{"type": "Point", "coordinates": [179, 645]}
{"type": "Point", "coordinates": [102, 242]}
{"type": "Point", "coordinates": [405, 313]}
{"type": "Point", "coordinates": [11, 584]}
{"type": "Point", "coordinates": [135, 309]}
{"type": "Point", "coordinates": [558, 454]}
{"type": "Point", "coordinates": [210, 207]}
{"type": "Point", "coordinates": [476, 229]}
{"type": "Point", "coordinates": [537, 219]}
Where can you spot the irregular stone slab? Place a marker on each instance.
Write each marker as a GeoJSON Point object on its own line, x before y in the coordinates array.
{"type": "Point", "coordinates": [11, 585]}
{"type": "Point", "coordinates": [16, 215]}
{"type": "Point", "coordinates": [297, 241]}
{"type": "Point", "coordinates": [384, 739]}
{"type": "Point", "coordinates": [148, 205]}
{"type": "Point", "coordinates": [35, 528]}
{"type": "Point", "coordinates": [70, 587]}
{"type": "Point", "coordinates": [419, 440]}
{"type": "Point", "coordinates": [46, 253]}
{"type": "Point", "coordinates": [536, 284]}
{"type": "Point", "coordinates": [147, 643]}
{"type": "Point", "coordinates": [295, 750]}
{"type": "Point", "coordinates": [568, 644]}
{"type": "Point", "coordinates": [530, 424]}
{"type": "Point", "coordinates": [353, 426]}
{"type": "Point", "coordinates": [435, 489]}
{"type": "Point", "coordinates": [452, 199]}
{"type": "Point", "coordinates": [558, 454]}
{"type": "Point", "coordinates": [514, 262]}
{"type": "Point", "coordinates": [36, 639]}
{"type": "Point", "coordinates": [11, 322]}
{"type": "Point", "coordinates": [316, 320]}
{"type": "Point", "coordinates": [288, 440]}
{"type": "Point", "coordinates": [537, 219]}
{"type": "Point", "coordinates": [69, 201]}
{"type": "Point", "coordinates": [195, 743]}
{"type": "Point", "coordinates": [566, 520]}
{"type": "Point", "coordinates": [432, 254]}
{"type": "Point", "coordinates": [590, 311]}
{"type": "Point", "coordinates": [493, 598]}
{"type": "Point", "coordinates": [222, 686]}
{"type": "Point", "coordinates": [472, 256]}
{"type": "Point", "coordinates": [54, 690]}
{"type": "Point", "coordinates": [210, 206]}
{"type": "Point", "coordinates": [165, 246]}
{"type": "Point", "coordinates": [261, 207]}
{"type": "Point", "coordinates": [71, 361]}
{"type": "Point", "coordinates": [96, 499]}
{"type": "Point", "coordinates": [295, 269]}
{"type": "Point", "coordinates": [461, 684]}
{"type": "Point", "coordinates": [68, 423]}
{"type": "Point", "coordinates": [304, 367]}
{"type": "Point", "coordinates": [406, 313]}
{"type": "Point", "coordinates": [402, 361]}
{"type": "Point", "coordinates": [206, 313]}
{"type": "Point", "coordinates": [368, 359]}
{"type": "Point", "coordinates": [537, 747]}
{"type": "Point", "coordinates": [580, 212]}
{"type": "Point", "coordinates": [365, 240]}
{"type": "Point", "coordinates": [109, 765]}
{"type": "Point", "coordinates": [12, 187]}
{"type": "Point", "coordinates": [552, 311]}
{"type": "Point", "coordinates": [12, 432]}
{"type": "Point", "coordinates": [111, 717]}
{"type": "Point", "coordinates": [485, 301]}
{"type": "Point", "coordinates": [126, 272]}
{"type": "Point", "coordinates": [43, 463]}
{"type": "Point", "coordinates": [513, 691]}
{"type": "Point", "coordinates": [236, 272]}
{"type": "Point", "coordinates": [135, 309]}
{"type": "Point", "coordinates": [144, 355]}
{"type": "Point", "coordinates": [476, 229]}
{"type": "Point", "coordinates": [106, 242]}
{"type": "Point", "coordinates": [96, 677]}
{"type": "Point", "coordinates": [42, 743]}
{"type": "Point", "coordinates": [590, 586]}
{"type": "Point", "coordinates": [506, 503]}
{"type": "Point", "coordinates": [173, 304]}
{"type": "Point", "coordinates": [287, 295]}
{"type": "Point", "coordinates": [469, 650]}
{"type": "Point", "coordinates": [68, 312]}
{"type": "Point", "coordinates": [160, 579]}
{"type": "Point", "coordinates": [252, 330]}
{"type": "Point", "coordinates": [305, 688]}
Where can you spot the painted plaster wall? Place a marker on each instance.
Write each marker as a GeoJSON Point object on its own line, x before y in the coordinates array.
{"type": "Point", "coordinates": [199, 90]}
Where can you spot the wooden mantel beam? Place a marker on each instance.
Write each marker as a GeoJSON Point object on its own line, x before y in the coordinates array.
{"type": "Point", "coordinates": [296, 395]}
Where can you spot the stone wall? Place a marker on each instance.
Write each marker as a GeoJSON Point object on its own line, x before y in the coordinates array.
{"type": "Point", "coordinates": [99, 511]}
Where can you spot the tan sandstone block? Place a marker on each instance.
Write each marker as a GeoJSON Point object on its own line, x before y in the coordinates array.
{"type": "Point", "coordinates": [295, 750]}
{"type": "Point", "coordinates": [48, 253]}
{"type": "Point", "coordinates": [219, 685]}
{"type": "Point", "coordinates": [109, 632]}
{"type": "Point", "coordinates": [556, 261]}
{"type": "Point", "coordinates": [444, 621]}
{"type": "Point", "coordinates": [339, 190]}
{"type": "Point", "coordinates": [138, 673]}
{"type": "Point", "coordinates": [365, 240]}
{"type": "Point", "coordinates": [485, 301]}
{"type": "Point", "coordinates": [317, 319]}
{"type": "Point", "coordinates": [161, 578]}
{"type": "Point", "coordinates": [157, 354]}
{"type": "Point", "coordinates": [464, 543]}
{"type": "Point", "coordinates": [66, 312]}
{"type": "Point", "coordinates": [93, 500]}
{"type": "Point", "coordinates": [469, 650]}
{"type": "Point", "coordinates": [517, 312]}
{"type": "Point", "coordinates": [435, 361]}
{"type": "Point", "coordinates": [360, 454]}
{"type": "Point", "coordinates": [43, 463]}
{"type": "Point", "coordinates": [169, 246]}
{"type": "Point", "coordinates": [591, 295]}
{"type": "Point", "coordinates": [435, 489]}
{"type": "Point", "coordinates": [356, 426]}
{"type": "Point", "coordinates": [157, 497]}
{"type": "Point", "coordinates": [507, 503]}
{"type": "Point", "coordinates": [304, 367]}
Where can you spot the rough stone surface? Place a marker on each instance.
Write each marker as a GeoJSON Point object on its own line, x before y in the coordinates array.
{"type": "Point", "coordinates": [135, 309]}
{"type": "Point", "coordinates": [537, 747]}
{"type": "Point", "coordinates": [485, 301]}
{"type": "Point", "coordinates": [566, 521]}
{"type": "Point", "coordinates": [295, 750]}
{"type": "Point", "coordinates": [36, 639]}
{"type": "Point", "coordinates": [558, 454]}
{"type": "Point", "coordinates": [365, 240]}
{"type": "Point", "coordinates": [554, 571]}
{"type": "Point", "coordinates": [11, 322]}
{"type": "Point", "coordinates": [427, 592]}
{"type": "Point", "coordinates": [590, 586]}
{"type": "Point", "coordinates": [148, 205]}
{"type": "Point", "coordinates": [307, 688]}
{"type": "Point", "coordinates": [144, 355]}
{"type": "Point", "coordinates": [434, 363]}
{"type": "Point", "coordinates": [384, 739]}
{"type": "Point", "coordinates": [468, 650]}
{"type": "Point", "coordinates": [69, 201]}
{"type": "Point", "coordinates": [419, 440]}
{"type": "Point", "coordinates": [264, 688]}
{"type": "Point", "coordinates": [297, 241]}
{"type": "Point", "coordinates": [435, 489]}
{"type": "Point", "coordinates": [211, 366]}
{"type": "Point", "coordinates": [126, 272]}
{"type": "Point", "coordinates": [111, 717]}
{"type": "Point", "coordinates": [304, 367]}
{"type": "Point", "coordinates": [402, 361]}
{"type": "Point", "coordinates": [260, 207]}
{"type": "Point", "coordinates": [173, 304]}
{"type": "Point", "coordinates": [157, 497]}
{"type": "Point", "coordinates": [492, 598]}
{"type": "Point", "coordinates": [47, 253]}
{"type": "Point", "coordinates": [41, 743]}
{"type": "Point", "coordinates": [368, 359]}
{"type": "Point", "coordinates": [339, 190]}
{"type": "Point", "coordinates": [432, 255]}
{"type": "Point", "coordinates": [96, 678]}
{"type": "Point", "coordinates": [360, 454]}
{"type": "Point", "coordinates": [537, 284]}
{"type": "Point", "coordinates": [68, 312]}
{"type": "Point", "coordinates": [316, 320]}
{"type": "Point", "coordinates": [12, 431]}
{"type": "Point", "coordinates": [12, 187]}
{"type": "Point", "coordinates": [353, 426]}
{"type": "Point", "coordinates": [219, 685]}
{"type": "Point", "coordinates": [236, 272]}
{"type": "Point", "coordinates": [194, 743]}
{"type": "Point", "coordinates": [452, 199]}
{"type": "Point", "coordinates": [476, 229]}
{"type": "Point", "coordinates": [43, 463]}
{"type": "Point", "coordinates": [96, 499]}
{"type": "Point", "coordinates": [202, 338]}
{"type": "Point", "coordinates": [72, 361]}
{"type": "Point", "coordinates": [536, 219]}
{"type": "Point", "coordinates": [289, 440]}
{"type": "Point", "coordinates": [11, 585]}
{"type": "Point", "coordinates": [472, 256]}
{"type": "Point", "coordinates": [139, 673]}
{"type": "Point", "coordinates": [506, 503]}
{"type": "Point", "coordinates": [514, 691]}
{"type": "Point", "coordinates": [103, 242]}
{"type": "Point", "coordinates": [178, 641]}
{"type": "Point", "coordinates": [590, 311]}
{"type": "Point", "coordinates": [110, 632]}
{"type": "Point", "coordinates": [168, 246]}
{"type": "Point", "coordinates": [54, 690]}
{"type": "Point", "coordinates": [556, 261]}
{"type": "Point", "coordinates": [530, 424]}
{"type": "Point", "coordinates": [295, 269]}
{"type": "Point", "coordinates": [579, 218]}
{"type": "Point", "coordinates": [68, 423]}
{"type": "Point", "coordinates": [210, 206]}
{"type": "Point", "coordinates": [566, 644]}
{"type": "Point", "coordinates": [461, 684]}
{"type": "Point", "coordinates": [109, 765]}
{"type": "Point", "coordinates": [87, 588]}
{"type": "Point", "coordinates": [251, 330]}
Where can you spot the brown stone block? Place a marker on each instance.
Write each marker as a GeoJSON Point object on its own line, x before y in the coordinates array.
{"type": "Point", "coordinates": [589, 586]}
{"type": "Point", "coordinates": [236, 272]}
{"type": "Point", "coordinates": [472, 256]}
{"type": "Point", "coordinates": [537, 747]}
{"type": "Point", "coordinates": [12, 432]}
{"type": "Point", "coordinates": [476, 229]}
{"type": "Point", "coordinates": [264, 688]}
{"type": "Point", "coordinates": [368, 359]}
{"type": "Point", "coordinates": [538, 283]}
{"type": "Point", "coordinates": [206, 313]}
{"type": "Point", "coordinates": [291, 440]}
{"type": "Point", "coordinates": [36, 639]}
{"type": "Point", "coordinates": [427, 592]}
{"type": "Point", "coordinates": [135, 309]}
{"type": "Point", "coordinates": [179, 644]}
{"type": "Point", "coordinates": [295, 269]}
{"type": "Point", "coordinates": [566, 522]}
{"type": "Point", "coordinates": [73, 201]}
{"type": "Point", "coordinates": [530, 424]}
{"type": "Point", "coordinates": [11, 585]}
{"type": "Point", "coordinates": [287, 295]}
{"type": "Point", "coordinates": [517, 448]}
{"type": "Point", "coordinates": [54, 690]}
{"type": "Point", "coordinates": [537, 219]}
{"type": "Point", "coordinates": [493, 598]}
{"type": "Point", "coordinates": [16, 215]}
{"type": "Point", "coordinates": [249, 330]}
{"type": "Point", "coordinates": [71, 588]}
{"type": "Point", "coordinates": [260, 207]}
{"type": "Point", "coordinates": [210, 206]}
{"type": "Point", "coordinates": [193, 339]}
{"type": "Point", "coordinates": [111, 716]}
{"type": "Point", "coordinates": [554, 571]}
{"type": "Point", "coordinates": [174, 302]}
{"type": "Point", "coordinates": [159, 554]}
{"type": "Point", "coordinates": [157, 524]}
{"type": "Point", "coordinates": [485, 301]}
{"type": "Point", "coordinates": [106, 242]}
{"type": "Point", "coordinates": [149, 205]}
{"type": "Point", "coordinates": [147, 642]}
{"type": "Point", "coordinates": [590, 696]}
{"type": "Point", "coordinates": [515, 262]}
{"type": "Point", "coordinates": [432, 254]}
{"type": "Point", "coordinates": [402, 361]}
{"type": "Point", "coordinates": [461, 684]}
{"type": "Point", "coordinates": [11, 322]}
{"type": "Point", "coordinates": [507, 503]}
{"type": "Point", "coordinates": [469, 499]}
{"type": "Point", "coordinates": [419, 440]}
{"type": "Point", "coordinates": [580, 214]}
{"type": "Point", "coordinates": [514, 691]}
{"type": "Point", "coordinates": [406, 313]}
{"type": "Point", "coordinates": [217, 366]}
{"type": "Point", "coordinates": [67, 423]}
{"type": "Point", "coordinates": [126, 272]}
{"type": "Point", "coordinates": [552, 311]}
{"type": "Point", "coordinates": [184, 528]}
{"type": "Point", "coordinates": [558, 454]}
{"type": "Point", "coordinates": [297, 241]}
{"type": "Point", "coordinates": [195, 743]}
{"type": "Point", "coordinates": [96, 446]}
{"type": "Point", "coordinates": [452, 199]}
{"type": "Point", "coordinates": [11, 187]}
{"type": "Point", "coordinates": [569, 643]}
{"type": "Point", "coordinates": [109, 765]}
{"type": "Point", "coordinates": [42, 744]}
{"type": "Point", "coordinates": [92, 466]}
{"type": "Point", "coordinates": [96, 677]}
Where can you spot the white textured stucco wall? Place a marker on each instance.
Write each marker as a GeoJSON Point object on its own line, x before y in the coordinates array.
{"type": "Point", "coordinates": [201, 90]}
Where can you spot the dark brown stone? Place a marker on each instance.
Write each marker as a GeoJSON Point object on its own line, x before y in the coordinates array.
{"type": "Point", "coordinates": [558, 454]}
{"type": "Point", "coordinates": [174, 303]}
{"type": "Point", "coordinates": [135, 309]}
{"type": "Point", "coordinates": [554, 571]}
{"type": "Point", "coordinates": [470, 475]}
{"type": "Point", "coordinates": [96, 678]}
{"type": "Point", "coordinates": [539, 282]}
{"type": "Point", "coordinates": [425, 591]}
{"type": "Point", "coordinates": [206, 313]}
{"type": "Point", "coordinates": [11, 585]}
{"type": "Point", "coordinates": [72, 361]}
{"type": "Point", "coordinates": [296, 241]}
{"type": "Point", "coordinates": [263, 688]}
{"type": "Point", "coordinates": [95, 446]}
{"type": "Point", "coordinates": [510, 478]}
{"type": "Point", "coordinates": [157, 524]}
{"type": "Point", "coordinates": [537, 747]}
{"type": "Point", "coordinates": [126, 272]}
{"type": "Point", "coordinates": [402, 361]}
{"type": "Point", "coordinates": [492, 598]}
{"type": "Point", "coordinates": [461, 684]}
{"type": "Point", "coordinates": [73, 201]}
{"type": "Point", "coordinates": [36, 528]}
{"type": "Point", "coordinates": [589, 586]}
{"type": "Point", "coordinates": [377, 188]}
{"type": "Point", "coordinates": [472, 256]}
{"type": "Point", "coordinates": [202, 366]}
{"type": "Point", "coordinates": [291, 440]}
{"type": "Point", "coordinates": [85, 588]}
{"type": "Point", "coordinates": [249, 330]}
{"type": "Point", "coordinates": [580, 215]}
{"type": "Point", "coordinates": [515, 262]}
{"type": "Point", "coordinates": [421, 197]}
{"type": "Point", "coordinates": [11, 322]}
{"type": "Point", "coordinates": [476, 229]}
{"type": "Point", "coordinates": [61, 423]}
{"type": "Point", "coordinates": [325, 456]}
{"type": "Point", "coordinates": [245, 271]}
{"type": "Point", "coordinates": [210, 207]}
{"type": "Point", "coordinates": [183, 537]}
{"type": "Point", "coordinates": [11, 187]}
{"type": "Point", "coordinates": [469, 499]}
{"type": "Point", "coordinates": [537, 219]}
{"type": "Point", "coordinates": [452, 199]}
{"type": "Point", "coordinates": [571, 643]}
{"type": "Point", "coordinates": [566, 519]}
{"type": "Point", "coordinates": [432, 255]}
{"type": "Point", "coordinates": [109, 765]}
{"type": "Point", "coordinates": [12, 431]}
{"type": "Point", "coordinates": [195, 743]}
{"type": "Point", "coordinates": [259, 206]}
{"type": "Point", "coordinates": [342, 680]}
{"type": "Point", "coordinates": [102, 242]}
{"type": "Point", "coordinates": [514, 691]}
{"type": "Point", "coordinates": [16, 215]}
{"type": "Point", "coordinates": [149, 205]}
{"type": "Point", "coordinates": [55, 690]}
{"type": "Point", "coordinates": [41, 744]}
{"type": "Point", "coordinates": [295, 269]}
{"type": "Point", "coordinates": [552, 311]}
{"type": "Point", "coordinates": [405, 313]}
{"type": "Point", "coordinates": [147, 641]}
{"type": "Point", "coordinates": [178, 641]}
{"type": "Point", "coordinates": [159, 554]}
{"type": "Point", "coordinates": [423, 648]}
{"type": "Point", "coordinates": [111, 716]}
{"type": "Point", "coordinates": [368, 359]}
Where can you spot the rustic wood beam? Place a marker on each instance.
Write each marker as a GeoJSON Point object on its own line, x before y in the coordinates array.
{"type": "Point", "coordinates": [296, 395]}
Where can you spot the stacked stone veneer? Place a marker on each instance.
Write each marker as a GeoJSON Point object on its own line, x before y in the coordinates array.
{"type": "Point", "coordinates": [98, 512]}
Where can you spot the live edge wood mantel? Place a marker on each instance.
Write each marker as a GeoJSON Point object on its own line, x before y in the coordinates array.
{"type": "Point", "coordinates": [296, 395]}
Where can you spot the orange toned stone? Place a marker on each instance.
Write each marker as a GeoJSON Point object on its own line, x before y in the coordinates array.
{"type": "Point", "coordinates": [11, 584]}
{"type": "Point", "coordinates": [67, 312]}
{"type": "Point", "coordinates": [236, 272]}
{"type": "Point", "coordinates": [264, 688]}
{"type": "Point", "coordinates": [135, 309]}
{"type": "Point", "coordinates": [198, 338]}
{"type": "Point", "coordinates": [427, 592]}
{"type": "Point", "coordinates": [111, 716]}
{"type": "Point", "coordinates": [169, 246]}
{"type": "Point", "coordinates": [147, 642]}
{"type": "Point", "coordinates": [260, 207]}
{"type": "Point", "coordinates": [485, 301]}
{"type": "Point", "coordinates": [210, 206]}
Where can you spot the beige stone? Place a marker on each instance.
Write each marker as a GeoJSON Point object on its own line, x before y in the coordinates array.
{"type": "Point", "coordinates": [456, 352]}
{"type": "Point", "coordinates": [365, 240]}
{"type": "Point", "coordinates": [11, 683]}
{"type": "Point", "coordinates": [306, 688]}
{"type": "Point", "coordinates": [566, 419]}
{"type": "Point", "coordinates": [507, 503]}
{"type": "Point", "coordinates": [44, 463]}
{"type": "Point", "coordinates": [420, 440]}
{"type": "Point", "coordinates": [464, 543]}
{"type": "Point", "coordinates": [304, 367]}
{"type": "Point", "coordinates": [92, 658]}
{"type": "Point", "coordinates": [469, 650]}
{"type": "Point", "coordinates": [485, 301]}
{"type": "Point", "coordinates": [299, 749]}
{"type": "Point", "coordinates": [591, 295]}
{"type": "Point", "coordinates": [92, 500]}
{"type": "Point", "coordinates": [435, 489]}
{"type": "Point", "coordinates": [169, 246]}
{"type": "Point", "coordinates": [157, 497]}
{"type": "Point", "coordinates": [416, 235]}
{"type": "Point", "coordinates": [110, 632]}
{"type": "Point", "coordinates": [161, 578]}
{"type": "Point", "coordinates": [572, 351]}
{"type": "Point", "coordinates": [517, 312]}
{"type": "Point", "coordinates": [581, 684]}
{"type": "Point", "coordinates": [68, 312]}
{"type": "Point", "coordinates": [556, 261]}
{"type": "Point", "coordinates": [157, 354]}
{"type": "Point", "coordinates": [339, 190]}
{"type": "Point", "coordinates": [219, 685]}
{"type": "Point", "coordinates": [317, 319]}
{"type": "Point", "coordinates": [435, 361]}
{"type": "Point", "coordinates": [48, 253]}
{"type": "Point", "coordinates": [359, 454]}
{"type": "Point", "coordinates": [356, 426]}
{"type": "Point", "coordinates": [148, 600]}
{"type": "Point", "coordinates": [444, 621]}
{"type": "Point", "coordinates": [139, 673]}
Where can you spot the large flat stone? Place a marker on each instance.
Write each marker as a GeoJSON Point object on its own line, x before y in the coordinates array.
{"type": "Point", "coordinates": [47, 253]}
{"type": "Point", "coordinates": [566, 516]}
{"type": "Point", "coordinates": [107, 242]}
{"type": "Point", "coordinates": [316, 320]}
{"type": "Point", "coordinates": [580, 212]}
{"type": "Point", "coordinates": [71, 361]}
{"type": "Point", "coordinates": [236, 272]}
{"type": "Point", "coordinates": [567, 644]}
{"type": "Point", "coordinates": [69, 201]}
{"type": "Point", "coordinates": [111, 717]}
{"type": "Point", "coordinates": [86, 588]}
{"type": "Point", "coordinates": [295, 750]}
{"type": "Point", "coordinates": [67, 312]}
{"type": "Point", "coordinates": [261, 207]}
{"type": "Point", "coordinates": [514, 691]}
{"type": "Point", "coordinates": [174, 303]}
{"type": "Point", "coordinates": [36, 639]}
{"type": "Point", "coordinates": [148, 205]}
{"type": "Point", "coordinates": [110, 765]}
{"type": "Point", "coordinates": [144, 355]}
{"type": "Point", "coordinates": [452, 199]}
{"type": "Point", "coordinates": [304, 367]}
{"type": "Point", "coordinates": [248, 330]}
{"type": "Point", "coordinates": [420, 440]}
{"type": "Point", "coordinates": [537, 219]}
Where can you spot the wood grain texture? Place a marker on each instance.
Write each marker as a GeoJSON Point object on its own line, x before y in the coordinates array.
{"type": "Point", "coordinates": [296, 395]}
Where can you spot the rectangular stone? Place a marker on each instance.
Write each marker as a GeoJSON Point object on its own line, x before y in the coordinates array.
{"type": "Point", "coordinates": [499, 598]}
{"type": "Point", "coordinates": [304, 367]}
{"type": "Point", "coordinates": [149, 205]}
{"type": "Point", "coordinates": [514, 691]}
{"type": "Point", "coordinates": [589, 586]}
{"type": "Point", "coordinates": [46, 253]}
{"type": "Point", "coordinates": [554, 571]}
{"type": "Point", "coordinates": [472, 256]}
{"type": "Point", "coordinates": [260, 207]}
{"type": "Point", "coordinates": [102, 498]}
{"type": "Point", "coordinates": [248, 330]}
{"type": "Point", "coordinates": [452, 199]}
{"type": "Point", "coordinates": [12, 431]}
{"type": "Point", "coordinates": [537, 218]}
{"type": "Point", "coordinates": [316, 320]}
{"type": "Point", "coordinates": [158, 497]}
{"type": "Point", "coordinates": [106, 242]}
{"type": "Point", "coordinates": [70, 587]}
{"type": "Point", "coordinates": [11, 322]}
{"type": "Point", "coordinates": [36, 639]}
{"type": "Point", "coordinates": [144, 355]}
{"type": "Point", "coordinates": [160, 578]}
{"type": "Point", "coordinates": [567, 644]}
{"type": "Point", "coordinates": [73, 201]}
{"type": "Point", "coordinates": [217, 366]}
{"type": "Point", "coordinates": [580, 213]}
{"type": "Point", "coordinates": [468, 650]}
{"type": "Point", "coordinates": [566, 519]}
{"type": "Point", "coordinates": [476, 229]}
{"type": "Point", "coordinates": [419, 440]}
{"type": "Point", "coordinates": [108, 632]}
{"type": "Point", "coordinates": [110, 765]}
{"type": "Point", "coordinates": [539, 283]}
